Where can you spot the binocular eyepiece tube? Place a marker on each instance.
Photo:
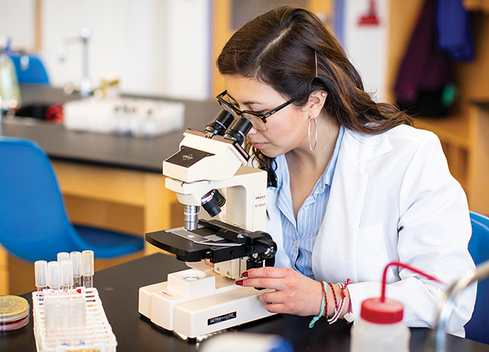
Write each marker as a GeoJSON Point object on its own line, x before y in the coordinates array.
{"type": "Point", "coordinates": [238, 130]}
{"type": "Point", "coordinates": [219, 125]}
{"type": "Point", "coordinates": [226, 125]}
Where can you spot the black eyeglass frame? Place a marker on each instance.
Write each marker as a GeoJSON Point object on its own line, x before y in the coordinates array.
{"type": "Point", "coordinates": [263, 117]}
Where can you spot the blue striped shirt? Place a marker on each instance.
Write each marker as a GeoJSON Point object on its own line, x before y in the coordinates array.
{"type": "Point", "coordinates": [299, 237]}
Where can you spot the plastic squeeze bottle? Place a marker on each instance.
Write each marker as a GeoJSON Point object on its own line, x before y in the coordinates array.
{"type": "Point", "coordinates": [380, 327]}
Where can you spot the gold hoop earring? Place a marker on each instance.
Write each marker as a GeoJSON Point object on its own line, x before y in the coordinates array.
{"type": "Point", "coordinates": [311, 147]}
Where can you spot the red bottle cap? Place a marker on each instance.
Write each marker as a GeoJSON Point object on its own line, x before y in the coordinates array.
{"type": "Point", "coordinates": [383, 310]}
{"type": "Point", "coordinates": [388, 312]}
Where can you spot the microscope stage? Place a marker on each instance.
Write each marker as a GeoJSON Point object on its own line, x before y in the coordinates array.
{"type": "Point", "coordinates": [213, 240]}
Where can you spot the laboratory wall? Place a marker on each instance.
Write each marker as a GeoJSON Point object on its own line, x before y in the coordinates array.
{"type": "Point", "coordinates": [168, 47]}
{"type": "Point", "coordinates": [366, 42]}
{"type": "Point", "coordinates": [363, 31]}
{"type": "Point", "coordinates": [17, 21]}
{"type": "Point", "coordinates": [155, 47]}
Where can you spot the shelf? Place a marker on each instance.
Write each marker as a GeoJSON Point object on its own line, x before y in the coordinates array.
{"type": "Point", "coordinates": [454, 129]}
{"type": "Point", "coordinates": [454, 134]}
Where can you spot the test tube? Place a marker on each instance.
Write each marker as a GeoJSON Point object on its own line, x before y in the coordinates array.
{"type": "Point", "coordinates": [51, 318]}
{"type": "Point", "coordinates": [87, 268]}
{"type": "Point", "coordinates": [41, 272]}
{"type": "Point", "coordinates": [53, 275]}
{"type": "Point", "coordinates": [62, 256]}
{"type": "Point", "coordinates": [66, 275]}
{"type": "Point", "coordinates": [75, 258]}
{"type": "Point", "coordinates": [65, 319]}
{"type": "Point", "coordinates": [79, 319]}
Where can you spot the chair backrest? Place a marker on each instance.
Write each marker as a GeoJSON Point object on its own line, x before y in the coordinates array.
{"type": "Point", "coordinates": [478, 327]}
{"type": "Point", "coordinates": [33, 220]}
{"type": "Point", "coordinates": [29, 69]}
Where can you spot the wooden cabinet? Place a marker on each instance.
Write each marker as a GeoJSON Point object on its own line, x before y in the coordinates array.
{"type": "Point", "coordinates": [465, 133]}
{"type": "Point", "coordinates": [478, 161]}
{"type": "Point", "coordinates": [453, 132]}
{"type": "Point", "coordinates": [465, 140]}
{"type": "Point", "coordinates": [4, 282]}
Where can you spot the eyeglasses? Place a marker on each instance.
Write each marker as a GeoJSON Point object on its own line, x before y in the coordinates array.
{"type": "Point", "coordinates": [259, 121]}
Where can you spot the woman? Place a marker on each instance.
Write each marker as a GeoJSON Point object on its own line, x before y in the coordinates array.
{"type": "Point", "coordinates": [352, 185]}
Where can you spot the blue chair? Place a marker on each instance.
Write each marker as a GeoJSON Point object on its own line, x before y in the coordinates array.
{"type": "Point", "coordinates": [478, 327]}
{"type": "Point", "coordinates": [29, 69]}
{"type": "Point", "coordinates": [33, 220]}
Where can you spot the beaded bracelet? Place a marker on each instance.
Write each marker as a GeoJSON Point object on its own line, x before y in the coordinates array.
{"type": "Point", "coordinates": [323, 302]}
{"type": "Point", "coordinates": [339, 307]}
{"type": "Point", "coordinates": [337, 312]}
{"type": "Point", "coordinates": [343, 287]}
{"type": "Point", "coordinates": [325, 292]}
{"type": "Point", "coordinates": [334, 296]}
{"type": "Point", "coordinates": [349, 317]}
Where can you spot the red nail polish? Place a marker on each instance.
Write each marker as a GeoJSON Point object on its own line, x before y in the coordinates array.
{"type": "Point", "coordinates": [239, 282]}
{"type": "Point", "coordinates": [245, 274]}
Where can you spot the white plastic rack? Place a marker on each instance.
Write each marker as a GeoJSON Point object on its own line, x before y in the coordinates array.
{"type": "Point", "coordinates": [95, 334]}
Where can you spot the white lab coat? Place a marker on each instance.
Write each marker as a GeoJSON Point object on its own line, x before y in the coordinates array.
{"type": "Point", "coordinates": [392, 199]}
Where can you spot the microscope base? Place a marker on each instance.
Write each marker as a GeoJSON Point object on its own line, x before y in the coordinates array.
{"type": "Point", "coordinates": [194, 303]}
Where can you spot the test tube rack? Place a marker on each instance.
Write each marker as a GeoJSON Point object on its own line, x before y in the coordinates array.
{"type": "Point", "coordinates": [97, 333]}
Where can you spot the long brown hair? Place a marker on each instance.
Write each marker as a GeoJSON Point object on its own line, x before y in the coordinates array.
{"type": "Point", "coordinates": [293, 52]}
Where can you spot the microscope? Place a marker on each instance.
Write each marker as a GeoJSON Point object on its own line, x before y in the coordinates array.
{"type": "Point", "coordinates": [210, 171]}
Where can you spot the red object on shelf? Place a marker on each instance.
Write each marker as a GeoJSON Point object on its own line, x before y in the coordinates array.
{"type": "Point", "coordinates": [370, 18]}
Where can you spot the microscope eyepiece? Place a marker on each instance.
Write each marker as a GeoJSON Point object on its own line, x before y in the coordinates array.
{"type": "Point", "coordinates": [238, 130]}
{"type": "Point", "coordinates": [220, 124]}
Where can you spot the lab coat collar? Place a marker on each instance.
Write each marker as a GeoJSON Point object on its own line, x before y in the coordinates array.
{"type": "Point", "coordinates": [365, 147]}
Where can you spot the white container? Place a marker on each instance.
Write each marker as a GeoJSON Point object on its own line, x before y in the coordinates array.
{"type": "Point", "coordinates": [380, 327]}
{"type": "Point", "coordinates": [136, 117]}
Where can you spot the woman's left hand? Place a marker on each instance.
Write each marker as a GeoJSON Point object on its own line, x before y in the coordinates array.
{"type": "Point", "coordinates": [294, 293]}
